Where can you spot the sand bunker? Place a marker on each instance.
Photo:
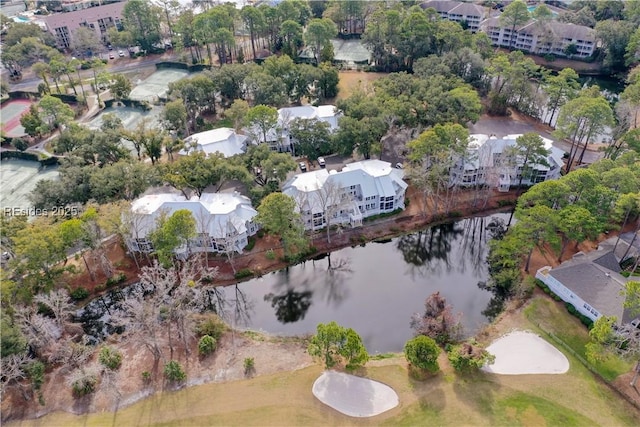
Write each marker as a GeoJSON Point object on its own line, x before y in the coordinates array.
{"type": "Point", "coordinates": [354, 396]}
{"type": "Point", "coordinates": [523, 352]}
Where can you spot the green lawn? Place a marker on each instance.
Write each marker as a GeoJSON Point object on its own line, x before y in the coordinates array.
{"type": "Point", "coordinates": [553, 317]}
{"type": "Point", "coordinates": [285, 399]}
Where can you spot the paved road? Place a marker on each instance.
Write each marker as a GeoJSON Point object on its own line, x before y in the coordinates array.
{"type": "Point", "coordinates": [30, 81]}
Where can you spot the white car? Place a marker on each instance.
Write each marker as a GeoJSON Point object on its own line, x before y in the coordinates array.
{"type": "Point", "coordinates": [121, 53]}
{"type": "Point", "coordinates": [321, 162]}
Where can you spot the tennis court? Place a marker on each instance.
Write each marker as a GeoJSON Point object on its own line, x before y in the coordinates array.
{"type": "Point", "coordinates": [19, 178]}
{"type": "Point", "coordinates": [156, 85]}
{"type": "Point", "coordinates": [10, 114]}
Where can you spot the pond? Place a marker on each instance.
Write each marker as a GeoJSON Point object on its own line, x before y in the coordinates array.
{"type": "Point", "coordinates": [374, 289]}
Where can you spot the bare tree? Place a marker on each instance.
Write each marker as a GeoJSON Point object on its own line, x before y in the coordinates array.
{"type": "Point", "coordinates": [59, 303]}
{"type": "Point", "coordinates": [13, 371]}
{"type": "Point", "coordinates": [438, 321]}
{"type": "Point", "coordinates": [40, 331]}
{"type": "Point", "coordinates": [165, 297]}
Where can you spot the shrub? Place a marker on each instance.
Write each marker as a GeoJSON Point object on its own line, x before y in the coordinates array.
{"type": "Point", "coordinates": [85, 383]}
{"type": "Point", "coordinates": [245, 272]}
{"type": "Point", "coordinates": [249, 366]}
{"type": "Point", "coordinates": [173, 371]}
{"type": "Point", "coordinates": [146, 376]}
{"type": "Point", "coordinates": [250, 244]}
{"type": "Point", "coordinates": [467, 357]}
{"type": "Point", "coordinates": [270, 254]}
{"type": "Point", "coordinates": [422, 352]}
{"type": "Point", "coordinates": [210, 324]}
{"type": "Point", "coordinates": [116, 280]}
{"type": "Point", "coordinates": [35, 370]}
{"type": "Point", "coordinates": [79, 294]}
{"type": "Point", "coordinates": [110, 358]}
{"type": "Point", "coordinates": [206, 345]}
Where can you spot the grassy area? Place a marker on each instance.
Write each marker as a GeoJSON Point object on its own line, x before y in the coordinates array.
{"type": "Point", "coordinates": [553, 317]}
{"type": "Point", "coordinates": [285, 399]}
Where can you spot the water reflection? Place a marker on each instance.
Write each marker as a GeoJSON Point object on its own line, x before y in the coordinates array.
{"type": "Point", "coordinates": [376, 288]}
{"type": "Point", "coordinates": [373, 289]}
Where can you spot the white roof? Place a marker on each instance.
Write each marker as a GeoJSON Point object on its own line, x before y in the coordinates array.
{"type": "Point", "coordinates": [222, 140]}
{"type": "Point", "coordinates": [325, 113]}
{"type": "Point", "coordinates": [375, 178]}
{"type": "Point", "coordinates": [482, 148]}
{"type": "Point", "coordinates": [215, 213]}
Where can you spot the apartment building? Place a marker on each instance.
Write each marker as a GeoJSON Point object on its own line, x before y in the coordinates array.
{"type": "Point", "coordinates": [556, 38]}
{"type": "Point", "coordinates": [469, 15]}
{"type": "Point", "coordinates": [487, 163]}
{"type": "Point", "coordinates": [346, 197]}
{"type": "Point", "coordinates": [99, 19]}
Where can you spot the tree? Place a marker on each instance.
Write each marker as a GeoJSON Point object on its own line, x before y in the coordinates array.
{"type": "Point", "coordinates": [560, 88]}
{"type": "Point", "coordinates": [172, 233]}
{"type": "Point", "coordinates": [576, 224]}
{"type": "Point", "coordinates": [318, 35]}
{"type": "Point", "coordinates": [165, 299]}
{"type": "Point", "coordinates": [55, 112]}
{"type": "Point", "coordinates": [32, 122]}
{"type": "Point", "coordinates": [422, 352]}
{"type": "Point", "coordinates": [263, 88]}
{"type": "Point", "coordinates": [277, 215]}
{"type": "Point", "coordinates": [19, 144]}
{"type": "Point", "coordinates": [237, 112]}
{"type": "Point", "coordinates": [291, 33]}
{"type": "Point", "coordinates": [197, 171]}
{"type": "Point", "coordinates": [142, 20]}
{"type": "Point", "coordinates": [332, 341]}
{"type": "Point", "coordinates": [514, 15]}
{"type": "Point", "coordinates": [262, 119]}
{"type": "Point", "coordinates": [311, 137]}
{"type": "Point", "coordinates": [582, 118]}
{"type": "Point", "coordinates": [174, 117]}
{"type": "Point", "coordinates": [85, 41]}
{"type": "Point", "coordinates": [362, 135]}
{"type": "Point", "coordinates": [615, 37]}
{"type": "Point", "coordinates": [437, 322]}
{"type": "Point", "coordinates": [468, 357]}
{"type": "Point", "coordinates": [254, 20]}
{"type": "Point", "coordinates": [120, 87]}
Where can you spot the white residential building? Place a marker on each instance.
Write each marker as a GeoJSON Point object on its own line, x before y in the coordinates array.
{"type": "Point", "coordinates": [542, 38]}
{"type": "Point", "coordinates": [279, 139]}
{"type": "Point", "coordinates": [486, 164]}
{"type": "Point", "coordinates": [468, 15]}
{"type": "Point", "coordinates": [360, 190]}
{"type": "Point", "coordinates": [224, 221]}
{"type": "Point", "coordinates": [222, 140]}
{"type": "Point", "coordinates": [592, 282]}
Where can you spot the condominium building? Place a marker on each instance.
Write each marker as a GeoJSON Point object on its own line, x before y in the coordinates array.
{"type": "Point", "coordinates": [556, 38]}
{"type": "Point", "coordinates": [360, 190]}
{"type": "Point", "coordinates": [99, 19]}
{"type": "Point", "coordinates": [469, 15]}
{"type": "Point", "coordinates": [488, 163]}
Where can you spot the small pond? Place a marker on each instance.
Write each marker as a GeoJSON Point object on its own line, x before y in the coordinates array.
{"type": "Point", "coordinates": [374, 289]}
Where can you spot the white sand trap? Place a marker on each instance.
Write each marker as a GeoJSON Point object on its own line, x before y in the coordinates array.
{"type": "Point", "coordinates": [354, 396]}
{"type": "Point", "coordinates": [523, 352]}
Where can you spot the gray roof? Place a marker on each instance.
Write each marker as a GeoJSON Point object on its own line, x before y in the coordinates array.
{"type": "Point", "coordinates": [598, 286]}
{"type": "Point", "coordinates": [440, 5]}
{"type": "Point", "coordinates": [609, 261]}
{"type": "Point", "coordinates": [560, 30]}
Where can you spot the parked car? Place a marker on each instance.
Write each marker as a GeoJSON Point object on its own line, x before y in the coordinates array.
{"type": "Point", "coordinates": [399, 166]}
{"type": "Point", "coordinates": [321, 162]}
{"type": "Point", "coordinates": [303, 166]}
{"type": "Point", "coordinates": [111, 55]}
{"type": "Point", "coordinates": [121, 53]}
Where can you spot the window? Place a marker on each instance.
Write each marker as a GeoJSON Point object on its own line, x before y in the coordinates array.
{"type": "Point", "coordinates": [388, 205]}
